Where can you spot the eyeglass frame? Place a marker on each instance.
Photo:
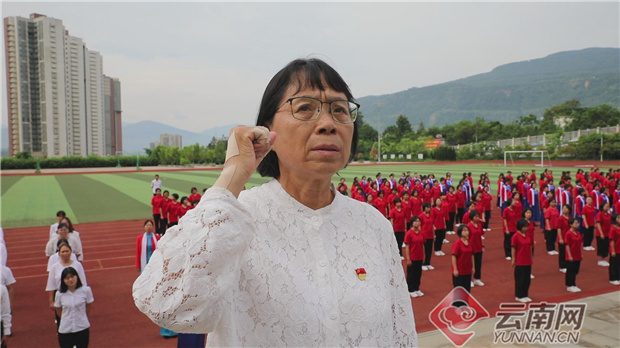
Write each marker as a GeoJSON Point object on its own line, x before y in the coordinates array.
{"type": "Point", "coordinates": [290, 101]}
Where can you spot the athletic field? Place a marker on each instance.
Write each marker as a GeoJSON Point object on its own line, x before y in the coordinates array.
{"type": "Point", "coordinates": [33, 200]}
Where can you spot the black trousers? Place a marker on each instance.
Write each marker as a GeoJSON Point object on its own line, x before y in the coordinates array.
{"type": "Point", "coordinates": [614, 267]}
{"type": "Point", "coordinates": [440, 235]}
{"type": "Point", "coordinates": [478, 265]}
{"type": "Point", "coordinates": [164, 226]}
{"type": "Point", "coordinates": [550, 237]}
{"type": "Point", "coordinates": [602, 246]}
{"type": "Point", "coordinates": [522, 281]}
{"type": "Point", "coordinates": [572, 269]}
{"type": "Point", "coordinates": [78, 339]}
{"type": "Point", "coordinates": [400, 238]}
{"type": "Point", "coordinates": [562, 255]}
{"type": "Point", "coordinates": [157, 221]}
{"type": "Point", "coordinates": [507, 240]}
{"type": "Point", "coordinates": [462, 280]}
{"type": "Point", "coordinates": [450, 221]}
{"type": "Point", "coordinates": [428, 251]}
{"type": "Point", "coordinates": [459, 215]}
{"type": "Point", "coordinates": [487, 218]}
{"type": "Point", "coordinates": [588, 236]}
{"type": "Point", "coordinates": [414, 274]}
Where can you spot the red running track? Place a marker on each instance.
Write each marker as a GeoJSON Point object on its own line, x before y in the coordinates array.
{"type": "Point", "coordinates": [109, 249]}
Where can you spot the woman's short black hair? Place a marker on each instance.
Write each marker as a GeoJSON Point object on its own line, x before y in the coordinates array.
{"type": "Point", "coordinates": [459, 231]}
{"type": "Point", "coordinates": [311, 72]}
{"type": "Point", "coordinates": [147, 221]}
{"type": "Point", "coordinates": [69, 271]}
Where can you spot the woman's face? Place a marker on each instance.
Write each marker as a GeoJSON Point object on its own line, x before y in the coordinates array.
{"type": "Point", "coordinates": [63, 232]}
{"type": "Point", "coordinates": [65, 253]}
{"type": "Point", "coordinates": [70, 280]}
{"type": "Point", "coordinates": [465, 233]}
{"type": "Point", "coordinates": [310, 149]}
{"type": "Point", "coordinates": [416, 224]}
{"type": "Point", "coordinates": [528, 214]}
{"type": "Point", "coordinates": [148, 227]}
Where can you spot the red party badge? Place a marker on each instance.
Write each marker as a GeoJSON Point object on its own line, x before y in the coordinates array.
{"type": "Point", "coordinates": [361, 273]}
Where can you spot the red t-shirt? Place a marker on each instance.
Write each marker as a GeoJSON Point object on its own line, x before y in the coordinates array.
{"type": "Point", "coordinates": [511, 218]}
{"type": "Point", "coordinates": [425, 196]}
{"type": "Point", "coordinates": [165, 207]}
{"type": "Point", "coordinates": [439, 218]}
{"type": "Point", "coordinates": [460, 199]}
{"type": "Point", "coordinates": [530, 231]}
{"type": "Point", "coordinates": [157, 202]}
{"type": "Point", "coordinates": [463, 255]}
{"type": "Point", "coordinates": [399, 219]}
{"type": "Point", "coordinates": [174, 212]}
{"type": "Point", "coordinates": [573, 241]}
{"type": "Point", "coordinates": [487, 199]}
{"type": "Point", "coordinates": [552, 214]}
{"type": "Point", "coordinates": [415, 241]}
{"type": "Point", "coordinates": [416, 206]}
{"type": "Point", "coordinates": [197, 196]}
{"type": "Point", "coordinates": [381, 205]}
{"type": "Point", "coordinates": [451, 199]}
{"type": "Point", "coordinates": [563, 226]}
{"type": "Point", "coordinates": [518, 208]}
{"type": "Point", "coordinates": [523, 251]}
{"type": "Point", "coordinates": [614, 239]}
{"type": "Point", "coordinates": [475, 236]}
{"type": "Point", "coordinates": [427, 225]}
{"type": "Point", "coordinates": [589, 213]}
{"type": "Point", "coordinates": [605, 220]}
{"type": "Point", "coordinates": [466, 218]}
{"type": "Point", "coordinates": [407, 208]}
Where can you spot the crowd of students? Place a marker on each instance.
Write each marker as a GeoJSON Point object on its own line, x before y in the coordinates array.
{"type": "Point", "coordinates": [69, 295]}
{"type": "Point", "coordinates": [424, 208]}
{"type": "Point", "coordinates": [168, 209]}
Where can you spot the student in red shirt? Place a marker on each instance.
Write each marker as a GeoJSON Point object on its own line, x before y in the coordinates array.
{"type": "Point", "coordinates": [475, 238]}
{"type": "Point", "coordinates": [426, 195]}
{"type": "Point", "coordinates": [562, 227]}
{"type": "Point", "coordinates": [451, 209]}
{"type": "Point", "coordinates": [381, 204]}
{"type": "Point", "coordinates": [603, 225]}
{"type": "Point", "coordinates": [416, 203]}
{"type": "Point", "coordinates": [157, 202]}
{"type": "Point", "coordinates": [487, 199]}
{"type": "Point", "coordinates": [406, 204]}
{"type": "Point", "coordinates": [551, 226]}
{"type": "Point", "coordinates": [414, 255]}
{"type": "Point", "coordinates": [428, 230]}
{"type": "Point", "coordinates": [614, 250]}
{"type": "Point", "coordinates": [165, 207]}
{"type": "Point", "coordinates": [462, 259]}
{"type": "Point", "coordinates": [397, 218]}
{"type": "Point", "coordinates": [521, 251]}
{"type": "Point", "coordinates": [196, 196]}
{"type": "Point", "coordinates": [510, 219]}
{"type": "Point", "coordinates": [574, 242]}
{"type": "Point", "coordinates": [439, 221]}
{"type": "Point", "coordinates": [588, 215]}
{"type": "Point", "coordinates": [174, 211]}
{"type": "Point", "coordinates": [460, 204]}
{"type": "Point", "coordinates": [185, 206]}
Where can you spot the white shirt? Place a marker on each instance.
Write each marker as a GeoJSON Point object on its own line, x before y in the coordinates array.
{"type": "Point", "coordinates": [5, 310]}
{"type": "Point", "coordinates": [76, 246]}
{"type": "Point", "coordinates": [73, 304]}
{"type": "Point", "coordinates": [55, 258]}
{"type": "Point", "coordinates": [53, 277]}
{"type": "Point", "coordinates": [7, 276]}
{"type": "Point", "coordinates": [53, 229]}
{"type": "Point", "coordinates": [156, 184]}
{"type": "Point", "coordinates": [266, 270]}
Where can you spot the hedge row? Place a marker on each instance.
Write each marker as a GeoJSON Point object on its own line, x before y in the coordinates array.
{"type": "Point", "coordinates": [75, 162]}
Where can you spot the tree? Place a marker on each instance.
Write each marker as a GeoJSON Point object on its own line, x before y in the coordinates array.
{"type": "Point", "coordinates": [23, 155]}
{"type": "Point", "coordinates": [368, 133]}
{"type": "Point", "coordinates": [598, 116]}
{"type": "Point", "coordinates": [403, 125]}
{"type": "Point", "coordinates": [421, 130]}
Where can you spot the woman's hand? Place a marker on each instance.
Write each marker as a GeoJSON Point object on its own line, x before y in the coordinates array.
{"type": "Point", "coordinates": [52, 307]}
{"type": "Point", "coordinates": [455, 272]}
{"type": "Point", "coordinates": [247, 146]}
{"type": "Point", "coordinates": [408, 262]}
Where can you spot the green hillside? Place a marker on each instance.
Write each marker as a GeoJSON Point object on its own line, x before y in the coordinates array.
{"type": "Point", "coordinates": [507, 92]}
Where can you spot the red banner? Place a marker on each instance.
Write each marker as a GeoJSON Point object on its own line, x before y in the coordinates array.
{"type": "Point", "coordinates": [432, 143]}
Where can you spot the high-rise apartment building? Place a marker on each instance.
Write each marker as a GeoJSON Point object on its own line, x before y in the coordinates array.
{"type": "Point", "coordinates": [55, 90]}
{"type": "Point", "coordinates": [113, 116]}
{"type": "Point", "coordinates": [171, 140]}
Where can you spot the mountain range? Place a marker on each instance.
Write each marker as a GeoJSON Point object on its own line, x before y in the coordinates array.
{"type": "Point", "coordinates": [507, 92]}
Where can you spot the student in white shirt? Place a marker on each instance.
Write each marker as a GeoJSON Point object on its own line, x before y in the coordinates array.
{"type": "Point", "coordinates": [72, 304]}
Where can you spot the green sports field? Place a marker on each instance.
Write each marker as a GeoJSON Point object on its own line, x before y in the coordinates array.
{"type": "Point", "coordinates": [32, 200]}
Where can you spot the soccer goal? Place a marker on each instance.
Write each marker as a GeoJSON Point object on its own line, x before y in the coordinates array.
{"type": "Point", "coordinates": [543, 154]}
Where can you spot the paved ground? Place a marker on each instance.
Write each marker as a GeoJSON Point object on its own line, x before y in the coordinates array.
{"type": "Point", "coordinates": [601, 327]}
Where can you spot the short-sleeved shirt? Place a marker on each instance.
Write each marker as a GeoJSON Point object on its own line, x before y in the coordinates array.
{"type": "Point", "coordinates": [415, 241]}
{"type": "Point", "coordinates": [573, 241]}
{"type": "Point", "coordinates": [511, 218]}
{"type": "Point", "coordinates": [53, 278]}
{"type": "Point", "coordinates": [523, 249]}
{"type": "Point", "coordinates": [73, 304]}
{"type": "Point", "coordinates": [605, 220]}
{"type": "Point", "coordinates": [475, 236]}
{"type": "Point", "coordinates": [463, 255]}
{"type": "Point", "coordinates": [552, 215]}
{"type": "Point", "coordinates": [427, 226]}
{"type": "Point", "coordinates": [439, 218]}
{"type": "Point", "coordinates": [614, 236]}
{"type": "Point", "coordinates": [400, 224]}
{"type": "Point", "coordinates": [589, 213]}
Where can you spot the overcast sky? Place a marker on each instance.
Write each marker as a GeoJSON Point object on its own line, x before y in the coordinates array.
{"type": "Point", "coordinates": [200, 65]}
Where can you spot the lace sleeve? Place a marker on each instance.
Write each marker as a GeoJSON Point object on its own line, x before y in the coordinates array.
{"type": "Point", "coordinates": [188, 281]}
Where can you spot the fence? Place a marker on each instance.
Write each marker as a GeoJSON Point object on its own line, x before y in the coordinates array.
{"type": "Point", "coordinates": [541, 140]}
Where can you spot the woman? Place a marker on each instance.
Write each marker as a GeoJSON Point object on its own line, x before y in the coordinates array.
{"type": "Point", "coordinates": [439, 223]}
{"type": "Point", "coordinates": [574, 243]}
{"type": "Point", "coordinates": [281, 264]}
{"type": "Point", "coordinates": [562, 227]}
{"type": "Point", "coordinates": [527, 215]}
{"type": "Point", "coordinates": [462, 259]}
{"type": "Point", "coordinates": [146, 243]}
{"type": "Point", "coordinates": [588, 216]}
{"type": "Point", "coordinates": [521, 249]}
{"type": "Point", "coordinates": [398, 219]}
{"type": "Point", "coordinates": [72, 305]}
{"type": "Point", "coordinates": [428, 231]}
{"type": "Point", "coordinates": [414, 254]}
{"type": "Point", "coordinates": [603, 225]}
{"type": "Point", "coordinates": [614, 249]}
{"type": "Point", "coordinates": [551, 226]}
{"type": "Point", "coordinates": [475, 237]}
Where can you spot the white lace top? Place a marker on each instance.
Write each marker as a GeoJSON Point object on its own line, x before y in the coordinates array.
{"type": "Point", "coordinates": [266, 270]}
